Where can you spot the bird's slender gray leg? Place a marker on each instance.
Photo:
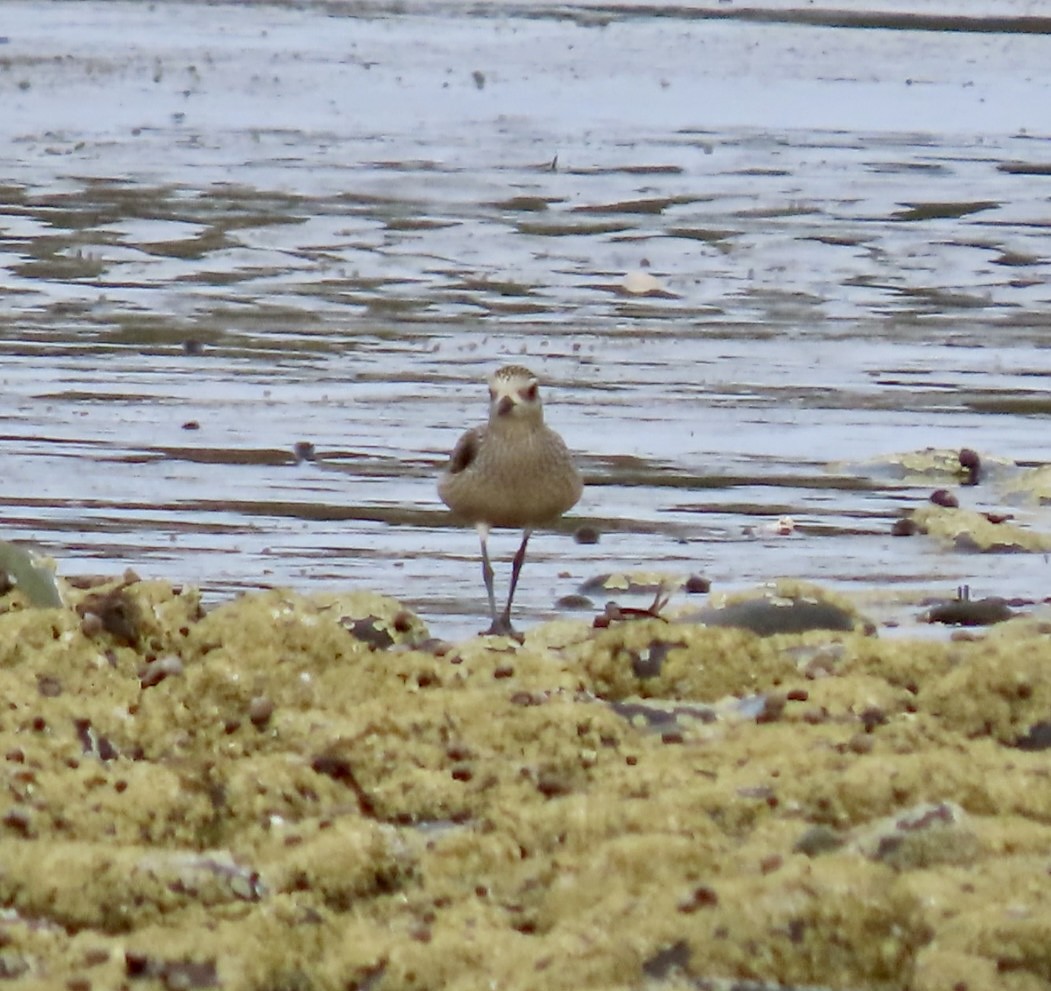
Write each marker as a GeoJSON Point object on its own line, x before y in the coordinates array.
{"type": "Point", "coordinates": [516, 568]}
{"type": "Point", "coordinates": [487, 568]}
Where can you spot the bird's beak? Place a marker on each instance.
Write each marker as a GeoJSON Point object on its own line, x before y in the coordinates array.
{"type": "Point", "coordinates": [504, 405]}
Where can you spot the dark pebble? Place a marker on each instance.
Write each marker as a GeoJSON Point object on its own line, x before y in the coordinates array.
{"type": "Point", "coordinates": [773, 708]}
{"type": "Point", "coordinates": [191, 425]}
{"type": "Point", "coordinates": [667, 961]}
{"type": "Point", "coordinates": [943, 497]}
{"type": "Point", "coordinates": [574, 601]}
{"type": "Point", "coordinates": [551, 784]}
{"type": "Point", "coordinates": [972, 464]}
{"type": "Point", "coordinates": [872, 717]}
{"type": "Point", "coordinates": [648, 663]}
{"type": "Point", "coordinates": [115, 612]}
{"type": "Point", "coordinates": [458, 752]}
{"type": "Point", "coordinates": [586, 534]}
{"type": "Point", "coordinates": [370, 630]}
{"type": "Point", "coordinates": [304, 451]}
{"type": "Point", "coordinates": [771, 863]}
{"type": "Point", "coordinates": [702, 896]}
{"type": "Point", "coordinates": [697, 585]}
{"type": "Point", "coordinates": [18, 820]}
{"type": "Point", "coordinates": [192, 347]}
{"type": "Point", "coordinates": [905, 527]}
{"type": "Point", "coordinates": [998, 517]}
{"type": "Point", "coordinates": [1037, 738]}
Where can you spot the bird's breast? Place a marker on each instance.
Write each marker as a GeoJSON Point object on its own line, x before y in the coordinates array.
{"type": "Point", "coordinates": [519, 479]}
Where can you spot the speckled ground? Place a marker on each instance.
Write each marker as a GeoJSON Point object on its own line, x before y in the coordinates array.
{"type": "Point", "coordinates": [283, 793]}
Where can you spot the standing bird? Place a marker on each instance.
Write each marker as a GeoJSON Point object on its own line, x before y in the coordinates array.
{"type": "Point", "coordinates": [512, 472]}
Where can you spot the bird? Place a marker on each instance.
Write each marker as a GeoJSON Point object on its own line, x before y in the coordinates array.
{"type": "Point", "coordinates": [513, 471]}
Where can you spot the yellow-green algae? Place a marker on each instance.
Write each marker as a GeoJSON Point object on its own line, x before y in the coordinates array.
{"type": "Point", "coordinates": [1031, 484]}
{"type": "Point", "coordinates": [930, 466]}
{"type": "Point", "coordinates": [264, 797]}
{"type": "Point", "coordinates": [971, 531]}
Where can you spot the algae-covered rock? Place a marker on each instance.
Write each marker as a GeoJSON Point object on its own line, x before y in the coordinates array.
{"type": "Point", "coordinates": [307, 792]}
{"type": "Point", "coordinates": [115, 888]}
{"type": "Point", "coordinates": [652, 658]}
{"type": "Point", "coordinates": [966, 530]}
{"type": "Point", "coordinates": [1000, 689]}
{"type": "Point", "coordinates": [922, 836]}
{"type": "Point", "coordinates": [785, 606]}
{"type": "Point", "coordinates": [933, 466]}
{"type": "Point", "coordinates": [1030, 484]}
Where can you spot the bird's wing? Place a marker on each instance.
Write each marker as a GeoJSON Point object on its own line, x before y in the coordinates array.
{"type": "Point", "coordinates": [465, 452]}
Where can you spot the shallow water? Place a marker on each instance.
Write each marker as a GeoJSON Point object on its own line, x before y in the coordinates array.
{"type": "Point", "coordinates": [328, 223]}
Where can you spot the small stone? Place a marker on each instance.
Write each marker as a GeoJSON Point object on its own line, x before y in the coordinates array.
{"type": "Point", "coordinates": [156, 671]}
{"type": "Point", "coordinates": [48, 686]}
{"type": "Point", "coordinates": [943, 497]}
{"type": "Point", "coordinates": [703, 896]}
{"type": "Point", "coordinates": [972, 465]}
{"type": "Point", "coordinates": [586, 534]}
{"type": "Point", "coordinates": [551, 784]}
{"type": "Point", "coordinates": [773, 708]}
{"type": "Point", "coordinates": [817, 840]}
{"type": "Point", "coordinates": [770, 863]}
{"type": "Point", "coordinates": [997, 518]}
{"type": "Point", "coordinates": [19, 820]}
{"type": "Point", "coordinates": [860, 743]}
{"type": "Point", "coordinates": [575, 601]}
{"type": "Point", "coordinates": [871, 717]}
{"type": "Point", "coordinates": [260, 709]}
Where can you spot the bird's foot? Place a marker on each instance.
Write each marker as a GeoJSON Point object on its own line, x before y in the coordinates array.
{"type": "Point", "coordinates": [501, 627]}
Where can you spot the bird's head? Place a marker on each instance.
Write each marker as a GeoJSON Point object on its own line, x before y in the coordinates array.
{"type": "Point", "coordinates": [514, 396]}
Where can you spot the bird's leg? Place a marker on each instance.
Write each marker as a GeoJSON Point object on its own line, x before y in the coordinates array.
{"type": "Point", "coordinates": [487, 568]}
{"type": "Point", "coordinates": [516, 568]}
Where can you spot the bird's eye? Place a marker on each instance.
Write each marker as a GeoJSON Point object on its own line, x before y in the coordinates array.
{"type": "Point", "coordinates": [492, 394]}
{"type": "Point", "coordinates": [529, 393]}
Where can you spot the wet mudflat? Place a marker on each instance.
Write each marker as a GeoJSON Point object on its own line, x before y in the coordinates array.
{"type": "Point", "coordinates": [257, 262]}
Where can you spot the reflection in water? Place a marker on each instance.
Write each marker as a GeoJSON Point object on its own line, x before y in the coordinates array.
{"type": "Point", "coordinates": [208, 273]}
